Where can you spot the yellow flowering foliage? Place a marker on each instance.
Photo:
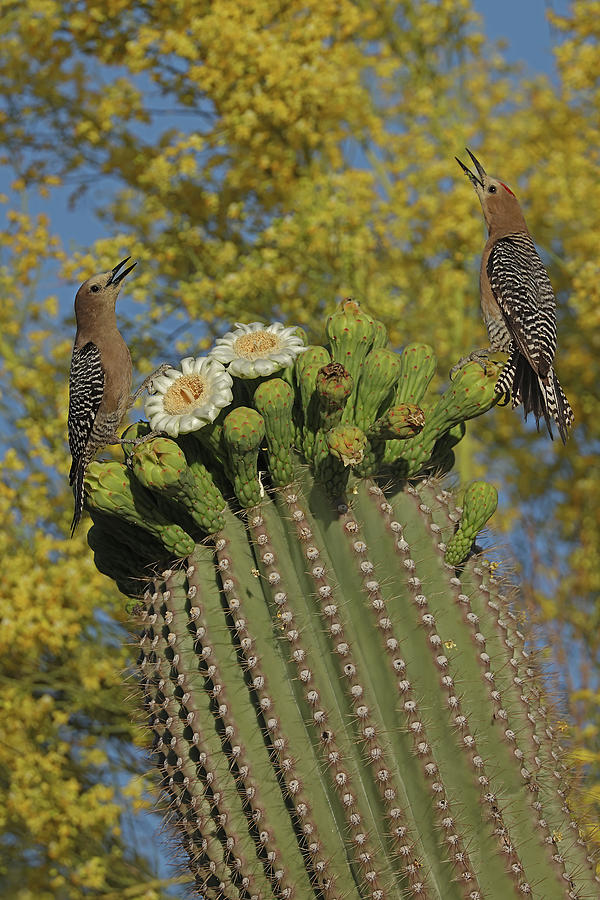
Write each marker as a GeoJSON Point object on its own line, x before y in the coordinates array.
{"type": "Point", "coordinates": [261, 160]}
{"type": "Point", "coordinates": [65, 715]}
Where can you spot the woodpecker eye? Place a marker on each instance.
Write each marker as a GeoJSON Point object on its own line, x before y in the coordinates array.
{"type": "Point", "coordinates": [95, 288]}
{"type": "Point", "coordinates": [492, 189]}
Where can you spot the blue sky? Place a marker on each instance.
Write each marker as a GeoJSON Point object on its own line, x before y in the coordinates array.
{"type": "Point", "coordinates": [523, 24]}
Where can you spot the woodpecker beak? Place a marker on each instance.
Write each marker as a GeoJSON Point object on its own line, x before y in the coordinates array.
{"type": "Point", "coordinates": [475, 181]}
{"type": "Point", "coordinates": [117, 279]}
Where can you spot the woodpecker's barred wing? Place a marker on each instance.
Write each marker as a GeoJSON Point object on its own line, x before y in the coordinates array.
{"type": "Point", "coordinates": [86, 387]}
{"type": "Point", "coordinates": [524, 294]}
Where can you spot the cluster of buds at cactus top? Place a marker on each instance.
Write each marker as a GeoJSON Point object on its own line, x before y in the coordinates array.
{"type": "Point", "coordinates": [341, 700]}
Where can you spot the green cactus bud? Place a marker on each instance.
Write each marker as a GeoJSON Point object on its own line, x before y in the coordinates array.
{"type": "Point", "coordinates": [159, 464]}
{"type": "Point", "coordinates": [479, 504]}
{"type": "Point", "coordinates": [378, 375]}
{"type": "Point", "coordinates": [399, 422]}
{"type": "Point", "coordinates": [243, 431]}
{"type": "Point", "coordinates": [417, 368]}
{"type": "Point", "coordinates": [274, 399]}
{"type": "Point", "coordinates": [347, 443]}
{"type": "Point", "coordinates": [351, 333]}
{"type": "Point", "coordinates": [333, 386]}
{"type": "Point", "coordinates": [307, 369]}
{"type": "Point", "coordinates": [112, 489]}
{"type": "Point", "coordinates": [336, 452]}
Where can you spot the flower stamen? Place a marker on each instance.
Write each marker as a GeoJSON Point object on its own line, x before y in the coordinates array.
{"type": "Point", "coordinates": [184, 394]}
{"type": "Point", "coordinates": [256, 344]}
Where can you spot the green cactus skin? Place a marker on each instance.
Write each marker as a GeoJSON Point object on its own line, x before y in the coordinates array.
{"type": "Point", "coordinates": [338, 712]}
{"type": "Point", "coordinates": [479, 505]}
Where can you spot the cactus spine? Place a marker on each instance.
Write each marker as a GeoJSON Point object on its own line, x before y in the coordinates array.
{"type": "Point", "coordinates": [342, 703]}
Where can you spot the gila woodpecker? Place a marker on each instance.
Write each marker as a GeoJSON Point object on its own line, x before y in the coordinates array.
{"type": "Point", "coordinates": [518, 305]}
{"type": "Point", "coordinates": [100, 378]}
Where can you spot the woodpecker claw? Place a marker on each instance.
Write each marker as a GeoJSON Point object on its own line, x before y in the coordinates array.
{"type": "Point", "coordinates": [478, 356]}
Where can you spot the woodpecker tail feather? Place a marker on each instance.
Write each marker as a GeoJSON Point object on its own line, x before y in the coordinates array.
{"type": "Point", "coordinates": [544, 397]}
{"type": "Point", "coordinates": [558, 405]}
{"type": "Point", "coordinates": [77, 480]}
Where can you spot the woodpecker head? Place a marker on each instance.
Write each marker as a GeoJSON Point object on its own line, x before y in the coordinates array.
{"type": "Point", "coordinates": [101, 291]}
{"type": "Point", "coordinates": [500, 207]}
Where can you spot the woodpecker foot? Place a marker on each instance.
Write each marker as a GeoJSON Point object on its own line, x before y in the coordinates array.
{"type": "Point", "coordinates": [135, 443]}
{"type": "Point", "coordinates": [479, 356]}
{"type": "Point", "coordinates": [147, 382]}
{"type": "Point", "coordinates": [140, 440]}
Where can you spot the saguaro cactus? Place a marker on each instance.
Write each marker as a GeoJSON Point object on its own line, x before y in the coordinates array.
{"type": "Point", "coordinates": [342, 703]}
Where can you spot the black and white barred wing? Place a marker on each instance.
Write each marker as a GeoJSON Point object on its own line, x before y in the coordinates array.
{"type": "Point", "coordinates": [524, 294]}
{"type": "Point", "coordinates": [86, 387]}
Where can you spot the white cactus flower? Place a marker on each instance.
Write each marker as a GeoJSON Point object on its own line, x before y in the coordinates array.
{"type": "Point", "coordinates": [255, 350]}
{"type": "Point", "coordinates": [186, 399]}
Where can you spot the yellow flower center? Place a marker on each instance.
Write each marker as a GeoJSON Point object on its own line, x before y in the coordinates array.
{"type": "Point", "coordinates": [184, 394]}
{"type": "Point", "coordinates": [256, 344]}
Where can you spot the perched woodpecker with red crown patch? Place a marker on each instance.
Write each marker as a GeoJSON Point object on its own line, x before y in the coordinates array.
{"type": "Point", "coordinates": [518, 306]}
{"type": "Point", "coordinates": [100, 377]}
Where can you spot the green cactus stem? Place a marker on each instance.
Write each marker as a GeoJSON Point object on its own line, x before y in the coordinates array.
{"type": "Point", "coordinates": [378, 375]}
{"type": "Point", "coordinates": [479, 505]}
{"type": "Point", "coordinates": [274, 399]}
{"type": "Point", "coordinates": [307, 370]}
{"type": "Point", "coordinates": [417, 368]}
{"type": "Point", "coordinates": [243, 432]}
{"type": "Point", "coordinates": [341, 697]}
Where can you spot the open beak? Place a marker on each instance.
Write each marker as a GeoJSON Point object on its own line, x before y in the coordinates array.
{"type": "Point", "coordinates": [117, 279]}
{"type": "Point", "coordinates": [475, 181]}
